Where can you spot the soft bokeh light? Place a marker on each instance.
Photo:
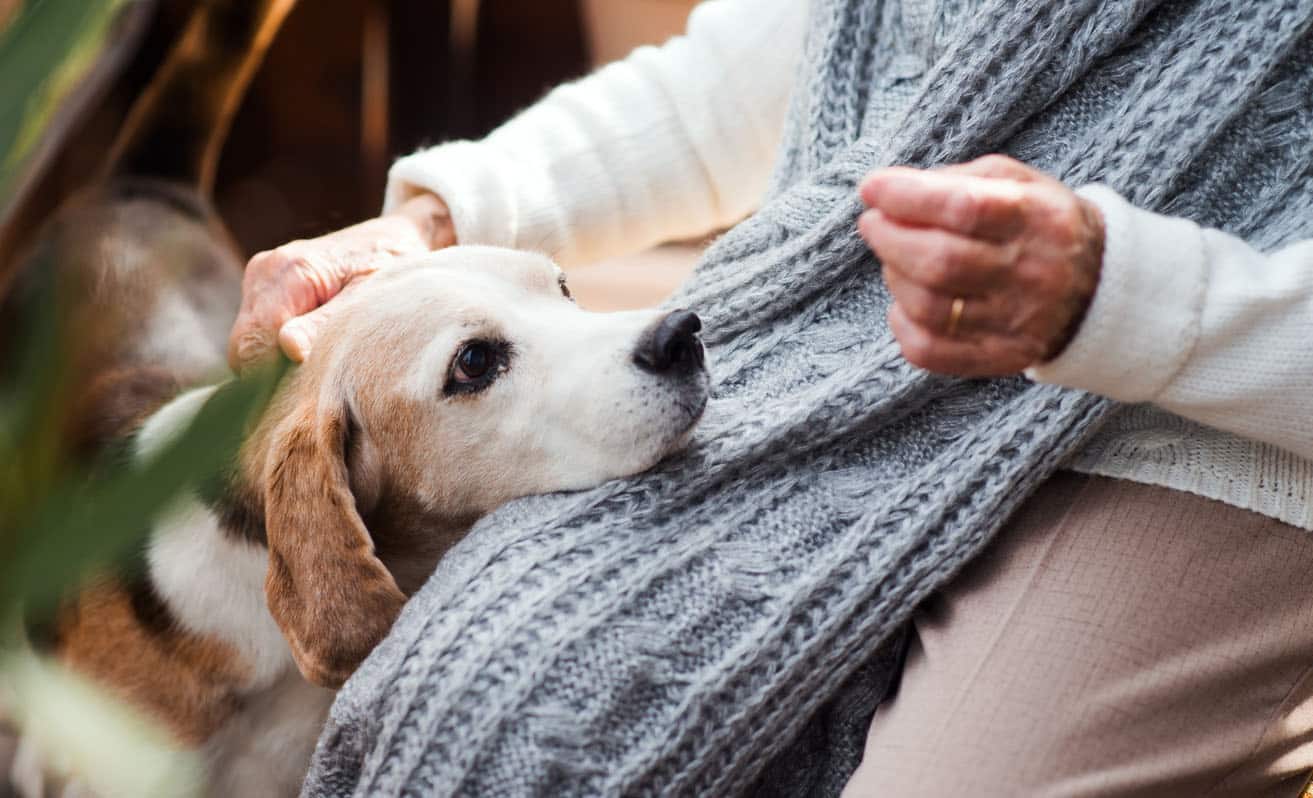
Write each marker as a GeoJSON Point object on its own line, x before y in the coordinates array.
{"type": "Point", "coordinates": [87, 737]}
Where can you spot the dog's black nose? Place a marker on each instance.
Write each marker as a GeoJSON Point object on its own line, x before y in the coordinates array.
{"type": "Point", "coordinates": [671, 345]}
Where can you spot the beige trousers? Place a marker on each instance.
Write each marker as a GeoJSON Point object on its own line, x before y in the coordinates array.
{"type": "Point", "coordinates": [1117, 640]}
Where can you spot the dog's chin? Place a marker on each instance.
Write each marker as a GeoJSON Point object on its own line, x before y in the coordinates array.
{"type": "Point", "coordinates": [677, 432]}
{"type": "Point", "coordinates": [693, 411]}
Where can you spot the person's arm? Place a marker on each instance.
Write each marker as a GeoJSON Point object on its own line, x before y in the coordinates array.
{"type": "Point", "coordinates": [673, 141]}
{"type": "Point", "coordinates": [1199, 323]}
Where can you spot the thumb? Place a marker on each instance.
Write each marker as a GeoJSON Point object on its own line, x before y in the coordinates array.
{"type": "Point", "coordinates": [298, 336]}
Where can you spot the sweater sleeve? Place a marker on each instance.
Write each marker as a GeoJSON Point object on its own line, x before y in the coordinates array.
{"type": "Point", "coordinates": [672, 141]}
{"type": "Point", "coordinates": [1199, 323]}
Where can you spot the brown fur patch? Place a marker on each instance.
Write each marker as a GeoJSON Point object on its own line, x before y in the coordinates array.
{"type": "Point", "coordinates": [330, 595]}
{"type": "Point", "coordinates": [128, 642]}
{"type": "Point", "coordinates": [240, 509]}
{"type": "Point", "coordinates": [410, 538]}
{"type": "Point", "coordinates": [115, 405]}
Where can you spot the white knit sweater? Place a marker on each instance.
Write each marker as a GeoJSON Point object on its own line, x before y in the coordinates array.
{"type": "Point", "coordinates": [1212, 337]}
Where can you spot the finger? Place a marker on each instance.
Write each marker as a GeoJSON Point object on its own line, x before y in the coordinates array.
{"type": "Point", "coordinates": [265, 309]}
{"type": "Point", "coordinates": [298, 336]}
{"type": "Point", "coordinates": [254, 336]}
{"type": "Point", "coordinates": [941, 261]}
{"type": "Point", "coordinates": [984, 356]}
{"type": "Point", "coordinates": [998, 166]}
{"type": "Point", "coordinates": [278, 285]}
{"type": "Point", "coordinates": [235, 337]}
{"type": "Point", "coordinates": [934, 311]}
{"type": "Point", "coordinates": [979, 207]}
{"type": "Point", "coordinates": [251, 342]}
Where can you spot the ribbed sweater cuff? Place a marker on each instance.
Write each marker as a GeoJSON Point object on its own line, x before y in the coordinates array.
{"type": "Point", "coordinates": [467, 177]}
{"type": "Point", "coordinates": [1144, 320]}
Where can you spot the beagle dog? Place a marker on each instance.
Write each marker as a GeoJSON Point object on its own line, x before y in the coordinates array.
{"type": "Point", "coordinates": [443, 388]}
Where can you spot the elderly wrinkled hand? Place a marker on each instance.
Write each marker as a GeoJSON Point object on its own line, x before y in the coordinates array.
{"type": "Point", "coordinates": [991, 264]}
{"type": "Point", "coordinates": [285, 290]}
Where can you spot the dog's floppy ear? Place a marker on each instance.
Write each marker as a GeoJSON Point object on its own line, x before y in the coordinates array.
{"type": "Point", "coordinates": [330, 594]}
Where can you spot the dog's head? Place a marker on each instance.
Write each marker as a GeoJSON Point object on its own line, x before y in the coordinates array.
{"type": "Point", "coordinates": [441, 390]}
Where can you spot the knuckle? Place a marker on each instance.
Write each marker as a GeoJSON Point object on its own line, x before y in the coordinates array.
{"type": "Point", "coordinates": [1066, 219]}
{"type": "Point", "coordinates": [962, 210]}
{"type": "Point", "coordinates": [915, 353]}
{"type": "Point", "coordinates": [1070, 221]}
{"type": "Point", "coordinates": [918, 348]}
{"type": "Point", "coordinates": [1044, 283]}
{"type": "Point", "coordinates": [252, 345]}
{"type": "Point", "coordinates": [261, 261]}
{"type": "Point", "coordinates": [1012, 354]}
{"type": "Point", "coordinates": [287, 257]}
{"type": "Point", "coordinates": [1006, 212]}
{"type": "Point", "coordinates": [1010, 256]}
{"type": "Point", "coordinates": [270, 264]}
{"type": "Point", "coordinates": [1014, 317]}
{"type": "Point", "coordinates": [1029, 349]}
{"type": "Point", "coordinates": [940, 265]}
{"type": "Point", "coordinates": [917, 306]}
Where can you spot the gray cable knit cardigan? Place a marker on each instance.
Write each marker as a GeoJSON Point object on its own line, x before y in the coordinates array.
{"type": "Point", "coordinates": [724, 624]}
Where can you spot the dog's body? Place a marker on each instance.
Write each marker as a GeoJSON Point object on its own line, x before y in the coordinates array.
{"type": "Point", "coordinates": [375, 456]}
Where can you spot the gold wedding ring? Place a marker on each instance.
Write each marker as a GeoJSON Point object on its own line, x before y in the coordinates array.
{"type": "Point", "coordinates": [955, 315]}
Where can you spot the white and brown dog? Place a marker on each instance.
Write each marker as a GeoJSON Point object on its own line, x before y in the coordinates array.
{"type": "Point", "coordinates": [443, 389]}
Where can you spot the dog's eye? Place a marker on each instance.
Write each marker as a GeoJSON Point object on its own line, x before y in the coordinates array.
{"type": "Point", "coordinates": [474, 361]}
{"type": "Point", "coordinates": [476, 365]}
{"type": "Point", "coordinates": [565, 289]}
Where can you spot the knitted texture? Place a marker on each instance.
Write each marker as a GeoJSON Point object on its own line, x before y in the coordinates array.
{"type": "Point", "coordinates": [675, 633]}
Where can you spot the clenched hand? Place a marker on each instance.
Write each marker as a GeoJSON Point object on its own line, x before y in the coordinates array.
{"type": "Point", "coordinates": [991, 264]}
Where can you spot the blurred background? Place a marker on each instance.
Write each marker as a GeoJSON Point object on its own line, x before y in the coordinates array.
{"type": "Point", "coordinates": [348, 86]}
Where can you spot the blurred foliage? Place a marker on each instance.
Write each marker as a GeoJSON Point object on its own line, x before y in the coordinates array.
{"type": "Point", "coordinates": [63, 519]}
{"type": "Point", "coordinates": [46, 53]}
{"type": "Point", "coordinates": [88, 732]}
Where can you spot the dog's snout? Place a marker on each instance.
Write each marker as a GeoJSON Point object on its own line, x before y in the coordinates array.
{"type": "Point", "coordinates": [671, 345]}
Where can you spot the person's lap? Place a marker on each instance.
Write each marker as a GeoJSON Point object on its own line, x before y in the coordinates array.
{"type": "Point", "coordinates": [1116, 639]}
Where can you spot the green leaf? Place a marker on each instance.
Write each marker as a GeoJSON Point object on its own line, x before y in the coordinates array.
{"type": "Point", "coordinates": [91, 734]}
{"type": "Point", "coordinates": [45, 54]}
{"type": "Point", "coordinates": [34, 398]}
{"type": "Point", "coordinates": [80, 527]}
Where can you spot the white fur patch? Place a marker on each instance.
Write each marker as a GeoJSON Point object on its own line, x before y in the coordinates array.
{"type": "Point", "coordinates": [169, 421]}
{"type": "Point", "coordinates": [214, 584]}
{"type": "Point", "coordinates": [179, 337]}
{"type": "Point", "coordinates": [265, 749]}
